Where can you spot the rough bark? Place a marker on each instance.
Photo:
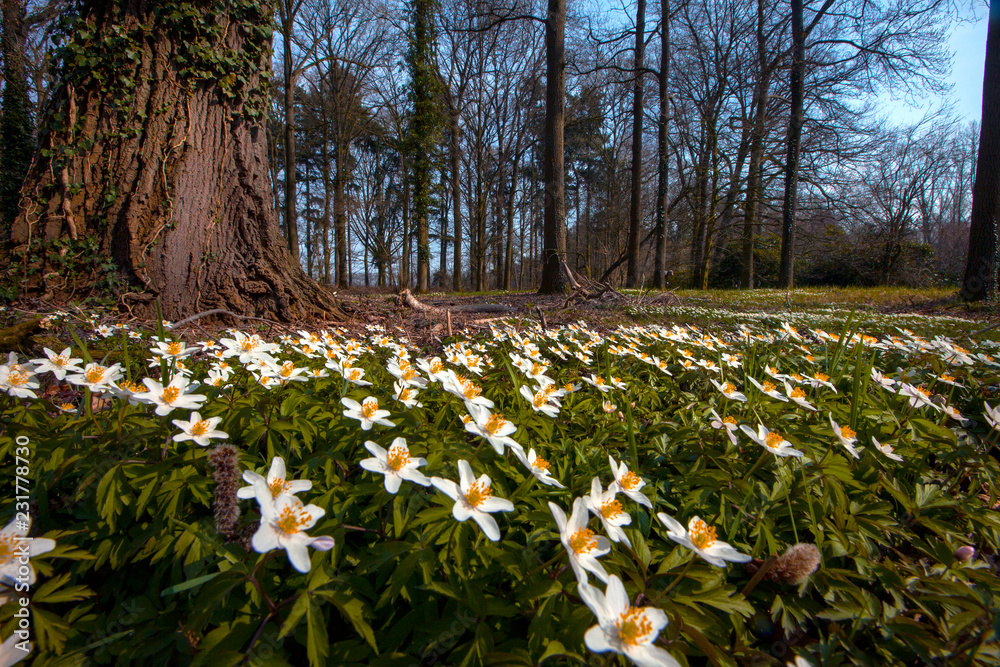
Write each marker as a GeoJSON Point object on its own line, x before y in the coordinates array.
{"type": "Point", "coordinates": [635, 206]}
{"type": "Point", "coordinates": [174, 188]}
{"type": "Point", "coordinates": [796, 86]}
{"type": "Point", "coordinates": [16, 125]}
{"type": "Point", "coordinates": [455, 153]}
{"type": "Point", "coordinates": [663, 168]}
{"type": "Point", "coordinates": [340, 213]}
{"type": "Point", "coordinates": [554, 225]}
{"type": "Point", "coordinates": [980, 270]}
{"type": "Point", "coordinates": [288, 84]}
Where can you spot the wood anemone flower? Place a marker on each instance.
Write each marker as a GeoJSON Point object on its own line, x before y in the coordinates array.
{"type": "Point", "coordinates": [700, 538]}
{"type": "Point", "coordinates": [473, 499]}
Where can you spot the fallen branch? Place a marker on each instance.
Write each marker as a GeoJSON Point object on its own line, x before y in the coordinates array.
{"type": "Point", "coordinates": [406, 298]}
{"type": "Point", "coordinates": [223, 311]}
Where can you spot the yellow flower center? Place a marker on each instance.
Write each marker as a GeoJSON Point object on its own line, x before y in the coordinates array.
{"type": "Point", "coordinates": [541, 464]}
{"type": "Point", "coordinates": [69, 407]}
{"type": "Point", "coordinates": [436, 366]}
{"type": "Point", "coordinates": [923, 390]}
{"type": "Point", "coordinates": [630, 481]}
{"type": "Point", "coordinates": [249, 344]}
{"type": "Point", "coordinates": [537, 369]}
{"type": "Point", "coordinates": [797, 377]}
{"type": "Point", "coordinates": [405, 393]}
{"type": "Point", "coordinates": [469, 388]}
{"type": "Point", "coordinates": [773, 440]}
{"type": "Point", "coordinates": [633, 626]}
{"type": "Point", "coordinates": [477, 493]}
{"type": "Point", "coordinates": [17, 378]}
{"type": "Point", "coordinates": [947, 378]}
{"type": "Point", "coordinates": [95, 374]}
{"type": "Point", "coordinates": [728, 388]}
{"type": "Point", "coordinates": [769, 388]}
{"type": "Point", "coordinates": [848, 432]}
{"type": "Point", "coordinates": [798, 393]}
{"type": "Point", "coordinates": [494, 423]}
{"type": "Point", "coordinates": [60, 360]}
{"type": "Point", "coordinates": [291, 521]}
{"type": "Point", "coordinates": [354, 374]}
{"type": "Point", "coordinates": [541, 398]}
{"type": "Point", "coordinates": [287, 369]}
{"type": "Point", "coordinates": [709, 364]}
{"type": "Point", "coordinates": [399, 456]}
{"type": "Point", "coordinates": [369, 407]}
{"type": "Point", "coordinates": [583, 541]}
{"type": "Point", "coordinates": [200, 428]}
{"type": "Point", "coordinates": [170, 394]}
{"type": "Point", "coordinates": [175, 348]}
{"type": "Point", "coordinates": [730, 420]}
{"type": "Point", "coordinates": [278, 485]}
{"type": "Point", "coordinates": [822, 377]}
{"type": "Point", "coordinates": [407, 373]}
{"type": "Point", "coordinates": [702, 535]}
{"type": "Point", "coordinates": [599, 382]}
{"type": "Point", "coordinates": [7, 549]}
{"type": "Point", "coordinates": [610, 509]}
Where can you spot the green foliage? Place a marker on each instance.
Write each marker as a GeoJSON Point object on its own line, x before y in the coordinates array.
{"type": "Point", "coordinates": [140, 573]}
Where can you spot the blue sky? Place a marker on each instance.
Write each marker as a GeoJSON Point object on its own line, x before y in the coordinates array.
{"type": "Point", "coordinates": [968, 43]}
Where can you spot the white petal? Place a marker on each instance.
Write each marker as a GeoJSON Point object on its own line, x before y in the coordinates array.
{"type": "Point", "coordinates": [264, 539]}
{"type": "Point", "coordinates": [488, 524]}
{"type": "Point", "coordinates": [597, 640]}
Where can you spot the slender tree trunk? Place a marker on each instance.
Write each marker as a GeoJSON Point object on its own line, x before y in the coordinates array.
{"type": "Point", "coordinates": [443, 228]}
{"type": "Point", "coordinates": [663, 165]}
{"type": "Point", "coordinates": [554, 243]}
{"type": "Point", "coordinates": [340, 212]}
{"type": "Point", "coordinates": [176, 198]}
{"type": "Point", "coordinates": [635, 207]}
{"type": "Point", "coordinates": [404, 264]}
{"type": "Point", "coordinates": [291, 224]}
{"type": "Point", "coordinates": [327, 187]}
{"type": "Point", "coordinates": [980, 269]}
{"type": "Point", "coordinates": [786, 273]}
{"type": "Point", "coordinates": [309, 226]}
{"type": "Point", "coordinates": [17, 128]}
{"type": "Point", "coordinates": [456, 199]}
{"type": "Point", "coordinates": [751, 209]}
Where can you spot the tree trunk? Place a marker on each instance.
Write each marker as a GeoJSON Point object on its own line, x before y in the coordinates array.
{"type": "Point", "coordinates": [327, 186]}
{"type": "Point", "coordinates": [663, 168]}
{"type": "Point", "coordinates": [786, 273]}
{"type": "Point", "coordinates": [635, 207]}
{"type": "Point", "coordinates": [16, 124]}
{"type": "Point", "coordinates": [422, 130]}
{"type": "Point", "coordinates": [980, 269]}
{"type": "Point", "coordinates": [554, 242]}
{"type": "Point", "coordinates": [751, 209]}
{"type": "Point", "coordinates": [175, 189]}
{"type": "Point", "coordinates": [340, 213]}
{"type": "Point", "coordinates": [291, 224]}
{"type": "Point", "coordinates": [456, 199]}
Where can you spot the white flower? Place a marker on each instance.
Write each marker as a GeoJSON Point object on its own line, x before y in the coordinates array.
{"type": "Point", "coordinates": [992, 415]}
{"type": "Point", "coordinates": [283, 522]}
{"type": "Point", "coordinates": [464, 388]}
{"type": "Point", "coordinates": [729, 424]}
{"type": "Point", "coordinates": [96, 377]}
{"type": "Point", "coordinates": [769, 388]}
{"type": "Point", "coordinates": [12, 539]}
{"type": "Point", "coordinates": [14, 650]}
{"type": "Point", "coordinates": [772, 442]}
{"type": "Point", "coordinates": [918, 396]}
{"type": "Point", "coordinates": [798, 396]}
{"type": "Point", "coordinates": [246, 348]}
{"type": "Point", "coordinates": [58, 364]}
{"type": "Point", "coordinates": [582, 545]}
{"type": "Point", "coordinates": [700, 538]}
{"type": "Point", "coordinates": [887, 450]}
{"type": "Point", "coordinates": [433, 367]}
{"type": "Point", "coordinates": [628, 483]}
{"type": "Point", "coordinates": [624, 629]}
{"type": "Point", "coordinates": [198, 429]}
{"type": "Point", "coordinates": [473, 499]}
{"type": "Point", "coordinates": [396, 465]}
{"type": "Point", "coordinates": [540, 401]}
{"type": "Point", "coordinates": [886, 383]}
{"type": "Point", "coordinates": [406, 395]}
{"type": "Point", "coordinates": [275, 482]}
{"type": "Point", "coordinates": [493, 427]}
{"type": "Point", "coordinates": [728, 389]}
{"type": "Point", "coordinates": [18, 379]}
{"type": "Point", "coordinates": [846, 435]}
{"type": "Point", "coordinates": [538, 467]}
{"type": "Point", "coordinates": [172, 350]}
{"type": "Point", "coordinates": [597, 381]}
{"type": "Point", "coordinates": [609, 511]}
{"type": "Point", "coordinates": [366, 412]}
{"type": "Point", "coordinates": [172, 396]}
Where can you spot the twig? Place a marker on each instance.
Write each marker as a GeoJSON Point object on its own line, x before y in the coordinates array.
{"type": "Point", "coordinates": [223, 311]}
{"type": "Point", "coordinates": [541, 315]}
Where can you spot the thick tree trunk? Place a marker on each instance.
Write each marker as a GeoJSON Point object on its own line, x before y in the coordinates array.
{"type": "Point", "coordinates": [327, 187]}
{"type": "Point", "coordinates": [786, 273]}
{"type": "Point", "coordinates": [635, 207]}
{"type": "Point", "coordinates": [663, 168]}
{"type": "Point", "coordinates": [554, 242]}
{"type": "Point", "coordinates": [16, 124]}
{"type": "Point", "coordinates": [175, 188]}
{"type": "Point", "coordinates": [980, 270]}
